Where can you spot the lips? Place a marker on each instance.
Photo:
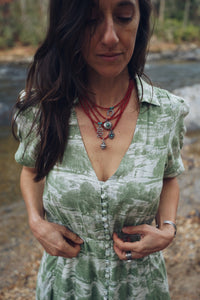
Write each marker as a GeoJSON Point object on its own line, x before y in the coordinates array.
{"type": "Point", "coordinates": [109, 56]}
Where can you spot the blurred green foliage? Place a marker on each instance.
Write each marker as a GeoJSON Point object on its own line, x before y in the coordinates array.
{"type": "Point", "coordinates": [178, 21]}
{"type": "Point", "coordinates": [24, 21]}
{"type": "Point", "coordinates": [172, 30]}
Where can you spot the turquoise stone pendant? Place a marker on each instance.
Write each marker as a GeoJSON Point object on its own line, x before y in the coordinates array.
{"type": "Point", "coordinates": [111, 135]}
{"type": "Point", "coordinates": [103, 145]}
{"type": "Point", "coordinates": [107, 125]}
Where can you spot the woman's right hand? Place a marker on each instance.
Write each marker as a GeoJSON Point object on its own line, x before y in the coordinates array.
{"type": "Point", "coordinates": [56, 239]}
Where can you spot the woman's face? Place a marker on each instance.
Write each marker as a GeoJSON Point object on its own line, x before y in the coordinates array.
{"type": "Point", "coordinates": [110, 37]}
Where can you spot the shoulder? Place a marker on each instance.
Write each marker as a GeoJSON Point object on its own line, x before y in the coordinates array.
{"type": "Point", "coordinates": [26, 118]}
{"type": "Point", "coordinates": [171, 102]}
{"type": "Point", "coordinates": [25, 113]}
{"type": "Point", "coordinates": [165, 101]}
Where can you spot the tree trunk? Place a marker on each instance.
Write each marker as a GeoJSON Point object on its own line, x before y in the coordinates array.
{"type": "Point", "coordinates": [186, 12]}
{"type": "Point", "coordinates": [23, 10]}
{"type": "Point", "coordinates": [161, 11]}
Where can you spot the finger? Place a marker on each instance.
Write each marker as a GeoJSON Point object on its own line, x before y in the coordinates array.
{"type": "Point", "coordinates": [140, 229]}
{"type": "Point", "coordinates": [69, 251]}
{"type": "Point", "coordinates": [115, 237]}
{"type": "Point", "coordinates": [72, 236]}
{"type": "Point", "coordinates": [122, 254]}
{"type": "Point", "coordinates": [135, 256]}
{"type": "Point", "coordinates": [64, 249]}
{"type": "Point", "coordinates": [126, 246]}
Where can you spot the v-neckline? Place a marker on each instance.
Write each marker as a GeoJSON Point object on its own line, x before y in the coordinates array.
{"type": "Point", "coordinates": [123, 157]}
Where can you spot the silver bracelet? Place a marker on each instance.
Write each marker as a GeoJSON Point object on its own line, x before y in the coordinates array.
{"type": "Point", "coordinates": [173, 224]}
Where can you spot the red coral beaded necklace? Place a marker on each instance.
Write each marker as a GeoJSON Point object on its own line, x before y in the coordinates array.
{"type": "Point", "coordinates": [113, 115]}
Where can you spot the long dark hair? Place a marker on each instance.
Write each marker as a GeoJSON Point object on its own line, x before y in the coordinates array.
{"type": "Point", "coordinates": [58, 75]}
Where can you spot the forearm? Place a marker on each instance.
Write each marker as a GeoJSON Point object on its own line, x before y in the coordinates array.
{"type": "Point", "coordinates": [168, 202]}
{"type": "Point", "coordinates": [32, 193]}
{"type": "Point", "coordinates": [153, 239]}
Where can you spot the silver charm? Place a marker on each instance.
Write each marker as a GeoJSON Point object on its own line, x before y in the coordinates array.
{"type": "Point", "coordinates": [99, 130]}
{"type": "Point", "coordinates": [111, 135]}
{"type": "Point", "coordinates": [103, 145]}
{"type": "Point", "coordinates": [107, 125]}
{"type": "Point", "coordinates": [110, 112]}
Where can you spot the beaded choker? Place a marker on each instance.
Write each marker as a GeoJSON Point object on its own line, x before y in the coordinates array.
{"type": "Point", "coordinates": [104, 126]}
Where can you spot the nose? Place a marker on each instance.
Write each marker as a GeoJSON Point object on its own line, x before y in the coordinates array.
{"type": "Point", "coordinates": [109, 34]}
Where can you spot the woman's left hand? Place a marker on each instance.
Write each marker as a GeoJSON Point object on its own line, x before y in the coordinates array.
{"type": "Point", "coordinates": [152, 240]}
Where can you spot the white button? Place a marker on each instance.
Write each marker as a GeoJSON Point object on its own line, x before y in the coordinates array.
{"type": "Point", "coordinates": [105, 225]}
{"type": "Point", "coordinates": [104, 212]}
{"type": "Point", "coordinates": [107, 237]}
{"type": "Point", "coordinates": [107, 276]}
{"type": "Point", "coordinates": [107, 252]}
{"type": "Point", "coordinates": [105, 219]}
{"type": "Point", "coordinates": [107, 246]}
{"type": "Point", "coordinates": [103, 185]}
{"type": "Point", "coordinates": [103, 196]}
{"type": "Point", "coordinates": [106, 230]}
{"type": "Point", "coordinates": [104, 204]}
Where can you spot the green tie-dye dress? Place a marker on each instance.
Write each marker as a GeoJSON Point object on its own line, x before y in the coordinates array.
{"type": "Point", "coordinates": [94, 209]}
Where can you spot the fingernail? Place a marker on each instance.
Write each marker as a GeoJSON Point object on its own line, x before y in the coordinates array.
{"type": "Point", "coordinates": [80, 240]}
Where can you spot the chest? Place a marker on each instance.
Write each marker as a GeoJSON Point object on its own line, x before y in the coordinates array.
{"type": "Point", "coordinates": [106, 162]}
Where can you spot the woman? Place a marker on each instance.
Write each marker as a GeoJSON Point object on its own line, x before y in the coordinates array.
{"type": "Point", "coordinates": [100, 150]}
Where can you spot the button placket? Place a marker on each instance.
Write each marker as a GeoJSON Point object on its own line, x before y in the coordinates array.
{"type": "Point", "coordinates": [105, 221]}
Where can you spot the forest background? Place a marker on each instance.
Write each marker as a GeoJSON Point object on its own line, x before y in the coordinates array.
{"type": "Point", "coordinates": [23, 22]}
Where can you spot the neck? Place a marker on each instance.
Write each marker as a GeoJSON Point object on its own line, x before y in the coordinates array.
{"type": "Point", "coordinates": [108, 91]}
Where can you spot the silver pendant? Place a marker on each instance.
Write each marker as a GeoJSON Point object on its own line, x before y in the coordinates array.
{"type": "Point", "coordinates": [110, 112]}
{"type": "Point", "coordinates": [103, 145]}
{"type": "Point", "coordinates": [111, 135]}
{"type": "Point", "coordinates": [99, 130]}
{"type": "Point", "coordinates": [107, 125]}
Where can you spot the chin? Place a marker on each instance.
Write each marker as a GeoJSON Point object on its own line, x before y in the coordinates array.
{"type": "Point", "coordinates": [109, 73]}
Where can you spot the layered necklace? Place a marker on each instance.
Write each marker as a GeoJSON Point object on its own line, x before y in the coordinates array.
{"type": "Point", "coordinates": [104, 126]}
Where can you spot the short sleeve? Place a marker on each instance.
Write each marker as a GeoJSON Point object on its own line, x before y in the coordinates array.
{"type": "Point", "coordinates": [27, 134]}
{"type": "Point", "coordinates": [174, 164]}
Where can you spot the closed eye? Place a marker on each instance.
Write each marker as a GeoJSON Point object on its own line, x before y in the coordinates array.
{"type": "Point", "coordinates": [125, 19]}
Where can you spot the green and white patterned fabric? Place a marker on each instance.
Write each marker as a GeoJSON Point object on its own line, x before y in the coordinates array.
{"type": "Point", "coordinates": [93, 209]}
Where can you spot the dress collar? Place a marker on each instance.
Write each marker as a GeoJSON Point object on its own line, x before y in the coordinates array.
{"type": "Point", "coordinates": [146, 92]}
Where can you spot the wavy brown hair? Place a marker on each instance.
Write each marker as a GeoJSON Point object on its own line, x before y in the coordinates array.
{"type": "Point", "coordinates": [58, 75]}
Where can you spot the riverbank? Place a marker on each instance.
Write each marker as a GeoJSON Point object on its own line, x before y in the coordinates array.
{"type": "Point", "coordinates": [157, 50]}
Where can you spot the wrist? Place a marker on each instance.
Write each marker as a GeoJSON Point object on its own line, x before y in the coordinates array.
{"type": "Point", "coordinates": [168, 226]}
{"type": "Point", "coordinates": [34, 220]}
